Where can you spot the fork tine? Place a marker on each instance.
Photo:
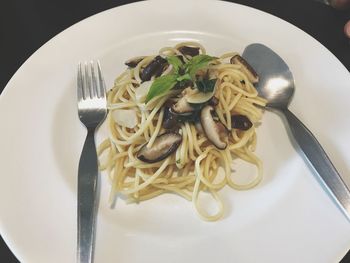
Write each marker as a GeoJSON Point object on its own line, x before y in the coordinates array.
{"type": "Point", "coordinates": [80, 84]}
{"type": "Point", "coordinates": [94, 90]}
{"type": "Point", "coordinates": [87, 82]}
{"type": "Point", "coordinates": [102, 86]}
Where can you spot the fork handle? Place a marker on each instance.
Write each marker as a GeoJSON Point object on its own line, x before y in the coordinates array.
{"type": "Point", "coordinates": [87, 199]}
{"type": "Point", "coordinates": [326, 171]}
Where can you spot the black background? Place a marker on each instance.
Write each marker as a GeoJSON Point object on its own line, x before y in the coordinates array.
{"type": "Point", "coordinates": [26, 25]}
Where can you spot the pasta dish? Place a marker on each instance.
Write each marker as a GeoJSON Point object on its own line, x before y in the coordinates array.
{"type": "Point", "coordinates": [176, 121]}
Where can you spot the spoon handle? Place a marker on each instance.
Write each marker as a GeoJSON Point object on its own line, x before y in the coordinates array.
{"type": "Point", "coordinates": [321, 162]}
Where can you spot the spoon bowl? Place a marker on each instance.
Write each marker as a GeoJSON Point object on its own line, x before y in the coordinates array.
{"type": "Point", "coordinates": [276, 84]}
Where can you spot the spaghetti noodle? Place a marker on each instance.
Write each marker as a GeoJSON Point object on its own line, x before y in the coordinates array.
{"type": "Point", "coordinates": [194, 165]}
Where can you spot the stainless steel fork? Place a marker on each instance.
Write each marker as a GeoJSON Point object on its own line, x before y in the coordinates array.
{"type": "Point", "coordinates": [92, 109]}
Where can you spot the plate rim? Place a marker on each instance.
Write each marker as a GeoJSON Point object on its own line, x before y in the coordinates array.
{"type": "Point", "coordinates": [5, 235]}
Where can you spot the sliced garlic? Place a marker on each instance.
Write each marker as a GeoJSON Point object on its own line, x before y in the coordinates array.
{"type": "Point", "coordinates": [125, 118]}
{"type": "Point", "coordinates": [142, 90]}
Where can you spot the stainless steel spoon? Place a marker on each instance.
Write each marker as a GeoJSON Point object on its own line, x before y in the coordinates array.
{"type": "Point", "coordinates": [276, 84]}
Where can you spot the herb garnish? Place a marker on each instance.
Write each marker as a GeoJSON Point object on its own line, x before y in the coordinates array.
{"type": "Point", "coordinates": [182, 72]}
{"type": "Point", "coordinates": [206, 85]}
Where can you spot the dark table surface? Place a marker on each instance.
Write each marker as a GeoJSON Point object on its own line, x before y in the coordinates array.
{"type": "Point", "coordinates": [25, 25]}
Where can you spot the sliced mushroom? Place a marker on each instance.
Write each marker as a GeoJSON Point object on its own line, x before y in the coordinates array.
{"type": "Point", "coordinates": [189, 51]}
{"type": "Point", "coordinates": [163, 146]}
{"type": "Point", "coordinates": [184, 83]}
{"type": "Point", "coordinates": [182, 105]}
{"type": "Point", "coordinates": [199, 127]}
{"type": "Point", "coordinates": [247, 69]}
{"type": "Point", "coordinates": [240, 122]}
{"type": "Point", "coordinates": [134, 61]}
{"type": "Point", "coordinates": [181, 58]}
{"type": "Point", "coordinates": [155, 67]}
{"type": "Point", "coordinates": [214, 130]}
{"type": "Point", "coordinates": [171, 119]}
{"type": "Point", "coordinates": [161, 69]}
{"type": "Point", "coordinates": [213, 101]}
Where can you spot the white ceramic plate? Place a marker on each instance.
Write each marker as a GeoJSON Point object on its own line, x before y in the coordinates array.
{"type": "Point", "coordinates": [287, 218]}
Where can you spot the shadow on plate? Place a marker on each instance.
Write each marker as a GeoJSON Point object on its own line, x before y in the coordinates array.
{"type": "Point", "coordinates": [68, 136]}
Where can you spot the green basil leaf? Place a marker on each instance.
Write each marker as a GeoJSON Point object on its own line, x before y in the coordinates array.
{"type": "Point", "coordinates": [184, 77]}
{"type": "Point", "coordinates": [197, 63]}
{"type": "Point", "coordinates": [161, 85]}
{"type": "Point", "coordinates": [206, 85]}
{"type": "Point", "coordinates": [176, 62]}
